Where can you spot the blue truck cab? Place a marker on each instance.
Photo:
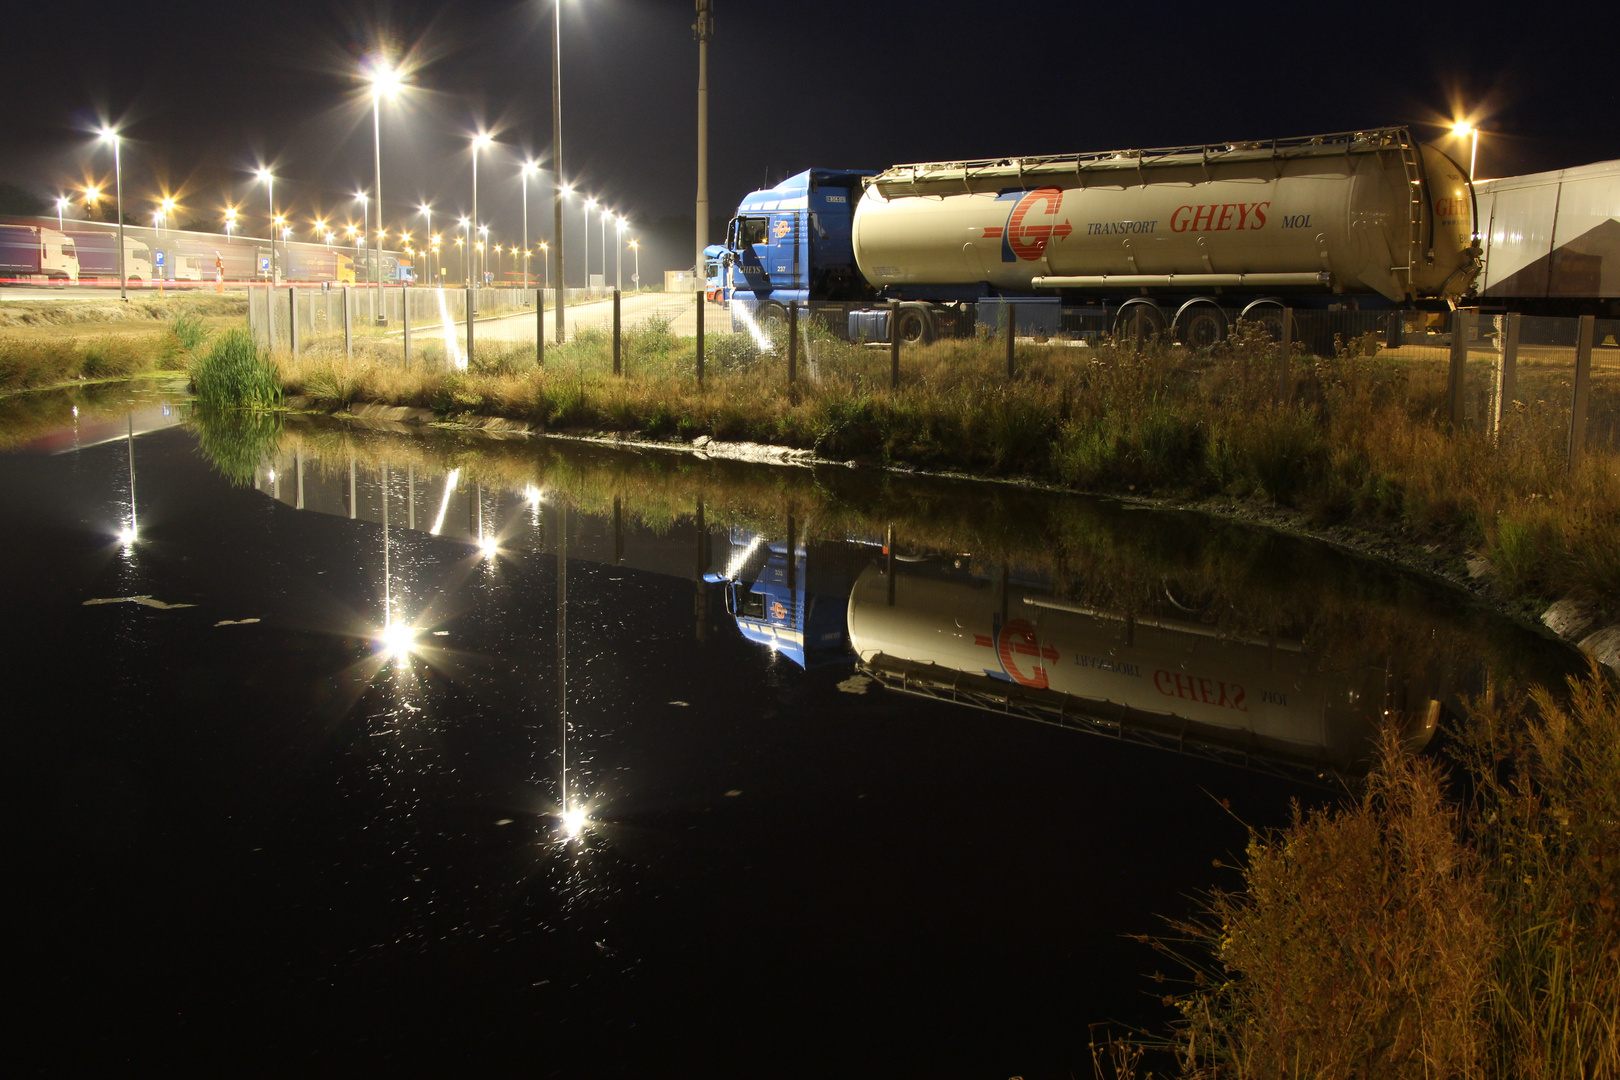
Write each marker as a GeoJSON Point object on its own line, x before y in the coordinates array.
{"type": "Point", "coordinates": [791, 244]}
{"type": "Point", "coordinates": [716, 275]}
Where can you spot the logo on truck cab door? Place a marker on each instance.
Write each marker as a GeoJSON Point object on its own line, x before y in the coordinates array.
{"type": "Point", "coordinates": [1029, 230]}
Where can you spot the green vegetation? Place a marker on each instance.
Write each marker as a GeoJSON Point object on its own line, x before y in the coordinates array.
{"type": "Point", "coordinates": [1360, 442]}
{"type": "Point", "coordinates": [46, 343]}
{"type": "Point", "coordinates": [234, 374]}
{"type": "Point", "coordinates": [1414, 935]}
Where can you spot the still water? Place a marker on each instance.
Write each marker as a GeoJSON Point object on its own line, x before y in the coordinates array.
{"type": "Point", "coordinates": [348, 750]}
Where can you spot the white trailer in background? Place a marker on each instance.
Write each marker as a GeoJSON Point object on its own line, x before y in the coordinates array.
{"type": "Point", "coordinates": [37, 254]}
{"type": "Point", "coordinates": [1552, 241]}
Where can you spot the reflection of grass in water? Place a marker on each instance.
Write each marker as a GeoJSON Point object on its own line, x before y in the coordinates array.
{"type": "Point", "coordinates": [1098, 553]}
{"type": "Point", "coordinates": [29, 415]}
{"type": "Point", "coordinates": [236, 441]}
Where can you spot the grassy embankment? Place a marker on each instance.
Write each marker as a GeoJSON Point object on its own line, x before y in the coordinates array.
{"type": "Point", "coordinates": [1419, 934]}
{"type": "Point", "coordinates": [1362, 442]}
{"type": "Point", "coordinates": [67, 341]}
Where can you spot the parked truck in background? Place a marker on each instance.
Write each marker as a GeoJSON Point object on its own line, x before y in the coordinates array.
{"type": "Point", "coordinates": [34, 254]}
{"type": "Point", "coordinates": [1180, 241]}
{"type": "Point", "coordinates": [1552, 242]}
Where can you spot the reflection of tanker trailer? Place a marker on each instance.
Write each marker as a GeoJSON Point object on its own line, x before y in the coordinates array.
{"type": "Point", "coordinates": [1184, 240]}
{"type": "Point", "coordinates": [1017, 649]}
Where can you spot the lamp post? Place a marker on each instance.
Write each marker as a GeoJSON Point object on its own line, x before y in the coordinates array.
{"type": "Point", "coordinates": [635, 279]}
{"type": "Point", "coordinates": [703, 29]}
{"type": "Point", "coordinates": [545, 250]}
{"type": "Point", "coordinates": [270, 189]}
{"type": "Point", "coordinates": [384, 83]}
{"type": "Point", "coordinates": [363, 248]}
{"type": "Point", "coordinates": [481, 140]}
{"type": "Point", "coordinates": [618, 254]}
{"type": "Point", "coordinates": [529, 168]}
{"type": "Point", "coordinates": [111, 136]}
{"type": "Point", "coordinates": [558, 192]}
{"type": "Point", "coordinates": [428, 210]}
{"type": "Point", "coordinates": [603, 217]}
{"type": "Point", "coordinates": [585, 239]}
{"type": "Point", "coordinates": [230, 221]}
{"type": "Point", "coordinates": [61, 205]}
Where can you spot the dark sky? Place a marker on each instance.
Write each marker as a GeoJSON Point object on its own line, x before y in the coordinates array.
{"type": "Point", "coordinates": [207, 90]}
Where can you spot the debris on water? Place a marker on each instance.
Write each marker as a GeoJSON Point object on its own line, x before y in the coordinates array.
{"type": "Point", "coordinates": [682, 704]}
{"type": "Point", "coordinates": [144, 601]}
{"type": "Point", "coordinates": [441, 633]}
{"type": "Point", "coordinates": [733, 793]}
{"type": "Point", "coordinates": [235, 622]}
{"type": "Point", "coordinates": [855, 684]}
{"type": "Point", "coordinates": [504, 821]}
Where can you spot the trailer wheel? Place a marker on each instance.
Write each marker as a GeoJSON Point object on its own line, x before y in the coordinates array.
{"type": "Point", "coordinates": [1138, 324]}
{"type": "Point", "coordinates": [1200, 324]}
{"type": "Point", "coordinates": [1266, 314]}
{"type": "Point", "coordinates": [913, 325]}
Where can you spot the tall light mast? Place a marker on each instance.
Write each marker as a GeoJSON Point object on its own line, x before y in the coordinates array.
{"type": "Point", "coordinates": [703, 29]}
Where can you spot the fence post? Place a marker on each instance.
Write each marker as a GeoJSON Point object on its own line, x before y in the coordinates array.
{"type": "Point", "coordinates": [894, 347]}
{"type": "Point", "coordinates": [292, 326]}
{"type": "Point", "coordinates": [701, 300]}
{"type": "Point", "coordinates": [1462, 322]}
{"type": "Point", "coordinates": [405, 317]}
{"type": "Point", "coordinates": [1583, 390]}
{"type": "Point", "coordinates": [617, 351]}
{"type": "Point", "coordinates": [1507, 373]}
{"type": "Point", "coordinates": [539, 328]}
{"type": "Point", "coordinates": [1011, 330]}
{"type": "Point", "coordinates": [253, 317]}
{"type": "Point", "coordinates": [348, 324]}
{"type": "Point", "coordinates": [469, 326]}
{"type": "Point", "coordinates": [1285, 343]}
{"type": "Point", "coordinates": [793, 341]}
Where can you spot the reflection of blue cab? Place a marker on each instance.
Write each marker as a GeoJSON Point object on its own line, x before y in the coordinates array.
{"type": "Point", "coordinates": [784, 611]}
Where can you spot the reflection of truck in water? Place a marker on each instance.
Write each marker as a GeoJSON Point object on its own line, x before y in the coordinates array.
{"type": "Point", "coordinates": [1182, 240]}
{"type": "Point", "coordinates": [34, 253]}
{"type": "Point", "coordinates": [791, 603]}
{"type": "Point", "coordinates": [1013, 647]}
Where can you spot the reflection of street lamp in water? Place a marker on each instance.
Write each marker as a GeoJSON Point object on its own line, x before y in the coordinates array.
{"type": "Point", "coordinates": [127, 535]}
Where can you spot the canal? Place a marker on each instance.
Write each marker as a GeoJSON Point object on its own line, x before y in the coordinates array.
{"type": "Point", "coordinates": [340, 748]}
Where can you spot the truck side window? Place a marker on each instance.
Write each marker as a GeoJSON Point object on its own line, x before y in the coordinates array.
{"type": "Point", "coordinates": [752, 230]}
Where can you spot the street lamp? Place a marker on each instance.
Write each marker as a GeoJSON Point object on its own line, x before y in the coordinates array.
{"type": "Point", "coordinates": [585, 238]}
{"type": "Point", "coordinates": [558, 192]}
{"type": "Point", "coordinates": [618, 253]}
{"type": "Point", "coordinates": [481, 140]}
{"type": "Point", "coordinates": [1464, 130]}
{"type": "Point", "coordinates": [230, 221]}
{"type": "Point", "coordinates": [265, 175]}
{"type": "Point", "coordinates": [604, 219]}
{"type": "Point", "coordinates": [545, 249]}
{"type": "Point", "coordinates": [385, 82]}
{"type": "Point", "coordinates": [365, 229]}
{"type": "Point", "coordinates": [110, 135]}
{"type": "Point", "coordinates": [529, 168]}
{"type": "Point", "coordinates": [635, 279]}
{"type": "Point", "coordinates": [427, 209]}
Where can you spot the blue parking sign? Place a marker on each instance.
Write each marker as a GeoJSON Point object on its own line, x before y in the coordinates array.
{"type": "Point", "coordinates": [158, 258]}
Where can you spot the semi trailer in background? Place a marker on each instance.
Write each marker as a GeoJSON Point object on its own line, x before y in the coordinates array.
{"type": "Point", "coordinates": [1180, 241]}
{"type": "Point", "coordinates": [36, 254]}
{"type": "Point", "coordinates": [1552, 242]}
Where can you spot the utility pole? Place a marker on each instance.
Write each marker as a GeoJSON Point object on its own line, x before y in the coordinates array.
{"type": "Point", "coordinates": [557, 160]}
{"type": "Point", "coordinates": [703, 29]}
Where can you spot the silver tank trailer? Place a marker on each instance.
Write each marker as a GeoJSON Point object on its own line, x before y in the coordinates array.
{"type": "Point", "coordinates": [1363, 212]}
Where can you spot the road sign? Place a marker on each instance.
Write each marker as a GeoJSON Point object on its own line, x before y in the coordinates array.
{"type": "Point", "coordinates": [157, 258]}
{"type": "Point", "coordinates": [264, 265]}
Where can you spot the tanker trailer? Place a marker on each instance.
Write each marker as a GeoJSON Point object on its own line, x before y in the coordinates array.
{"type": "Point", "coordinates": [1184, 239]}
{"type": "Point", "coordinates": [1170, 682]}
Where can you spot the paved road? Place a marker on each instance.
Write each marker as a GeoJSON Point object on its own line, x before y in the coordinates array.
{"type": "Point", "coordinates": [634, 310]}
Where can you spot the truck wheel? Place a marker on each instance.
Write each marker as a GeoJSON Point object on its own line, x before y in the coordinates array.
{"type": "Point", "coordinates": [1138, 324]}
{"type": "Point", "coordinates": [772, 318]}
{"type": "Point", "coordinates": [1200, 324]}
{"type": "Point", "coordinates": [913, 325]}
{"type": "Point", "coordinates": [1266, 314]}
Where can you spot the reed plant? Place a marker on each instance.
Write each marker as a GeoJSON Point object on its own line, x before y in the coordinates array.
{"type": "Point", "coordinates": [235, 374]}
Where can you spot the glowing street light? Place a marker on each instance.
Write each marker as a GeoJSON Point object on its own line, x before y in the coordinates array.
{"type": "Point", "coordinates": [111, 135]}
{"type": "Point", "coordinates": [269, 180]}
{"type": "Point", "coordinates": [385, 82]}
{"type": "Point", "coordinates": [1464, 130]}
{"type": "Point", "coordinates": [230, 221]}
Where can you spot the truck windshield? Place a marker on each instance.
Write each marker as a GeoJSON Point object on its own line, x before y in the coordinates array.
{"type": "Point", "coordinates": [751, 230]}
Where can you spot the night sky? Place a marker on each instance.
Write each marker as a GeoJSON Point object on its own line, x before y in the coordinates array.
{"type": "Point", "coordinates": [206, 91]}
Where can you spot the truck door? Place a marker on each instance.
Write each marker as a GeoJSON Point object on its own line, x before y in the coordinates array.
{"type": "Point", "coordinates": [753, 251]}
